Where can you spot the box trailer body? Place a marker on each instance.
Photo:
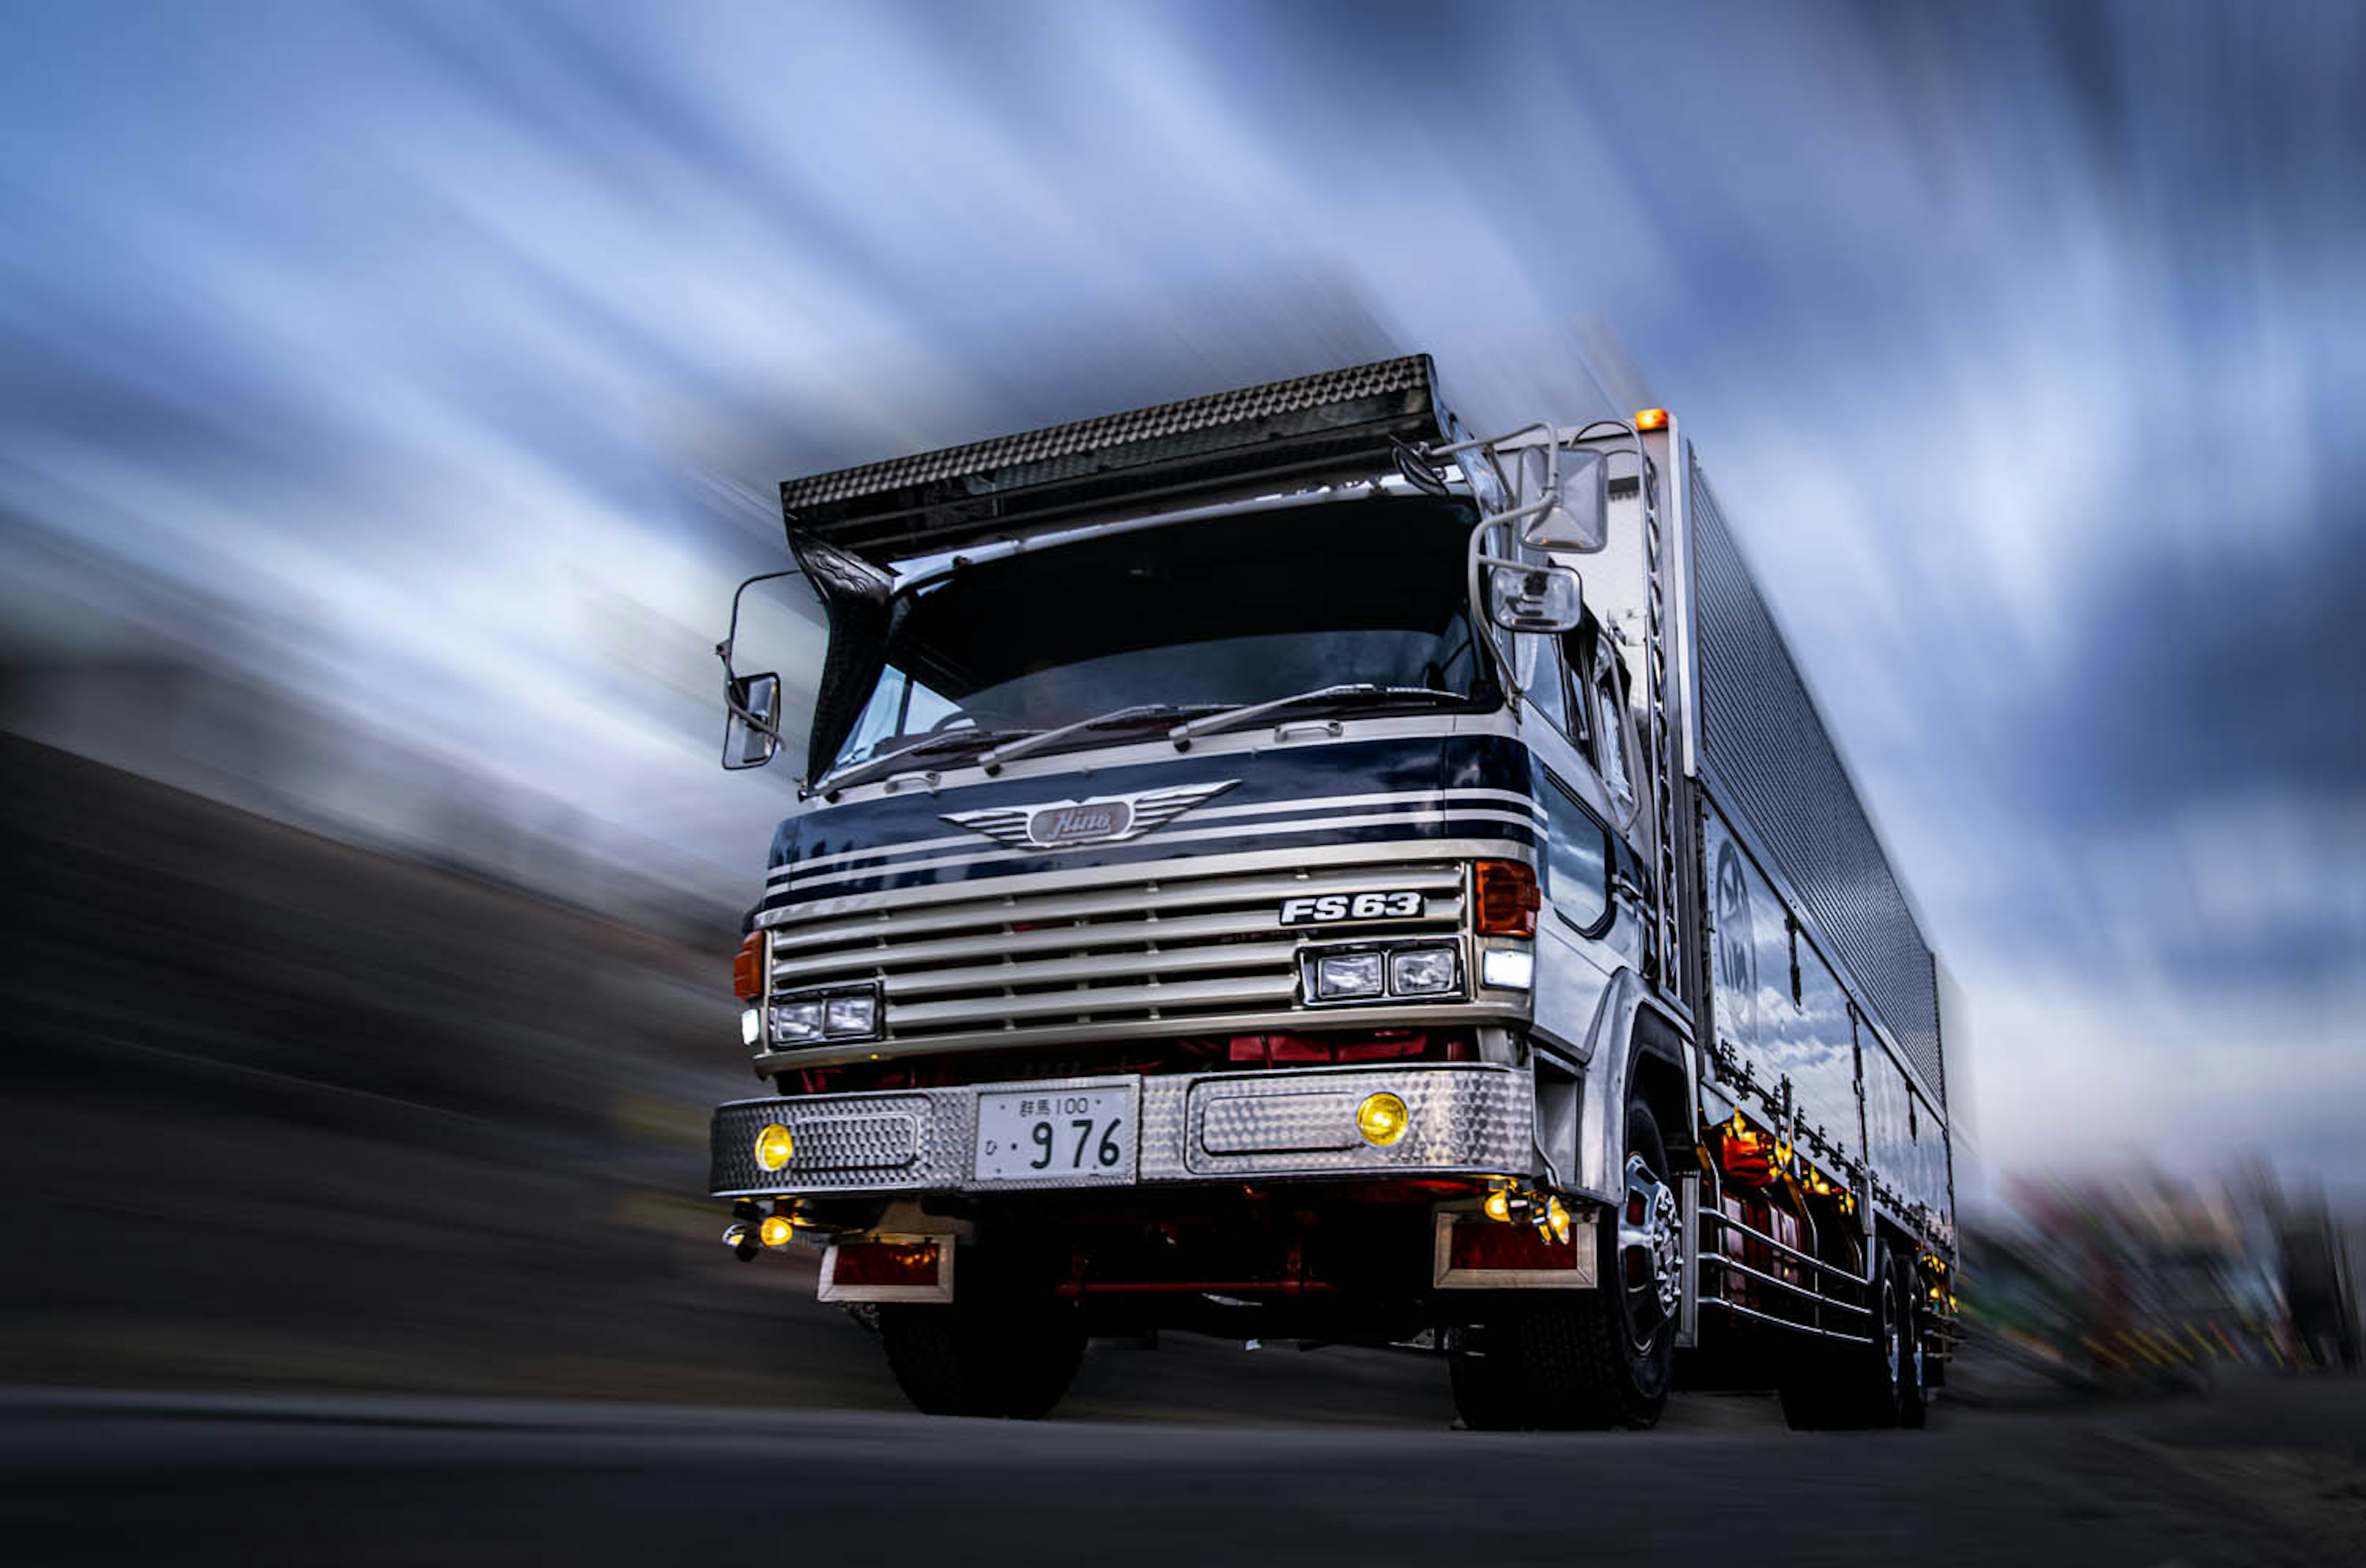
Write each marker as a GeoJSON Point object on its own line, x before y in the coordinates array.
{"type": "Point", "coordinates": [1275, 863]}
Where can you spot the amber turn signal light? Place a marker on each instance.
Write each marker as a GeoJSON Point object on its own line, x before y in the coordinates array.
{"type": "Point", "coordinates": [748, 967]}
{"type": "Point", "coordinates": [1508, 898]}
{"type": "Point", "coordinates": [1651, 419]}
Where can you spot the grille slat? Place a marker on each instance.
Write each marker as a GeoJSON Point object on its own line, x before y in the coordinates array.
{"type": "Point", "coordinates": [1254, 990]}
{"type": "Point", "coordinates": [1095, 966]}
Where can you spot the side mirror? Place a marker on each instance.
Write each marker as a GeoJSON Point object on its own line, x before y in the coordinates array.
{"type": "Point", "coordinates": [1537, 598]}
{"type": "Point", "coordinates": [752, 731]}
{"type": "Point", "coordinates": [1578, 520]}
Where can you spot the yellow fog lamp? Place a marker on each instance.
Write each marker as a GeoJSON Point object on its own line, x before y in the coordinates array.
{"type": "Point", "coordinates": [777, 1230]}
{"type": "Point", "coordinates": [1382, 1119]}
{"type": "Point", "coordinates": [1499, 1205]}
{"type": "Point", "coordinates": [775, 1146]}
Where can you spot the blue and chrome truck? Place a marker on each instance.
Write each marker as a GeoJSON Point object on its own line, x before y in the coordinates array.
{"type": "Point", "coordinates": [1282, 865]}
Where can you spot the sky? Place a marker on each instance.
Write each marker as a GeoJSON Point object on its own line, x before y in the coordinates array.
{"type": "Point", "coordinates": [431, 366]}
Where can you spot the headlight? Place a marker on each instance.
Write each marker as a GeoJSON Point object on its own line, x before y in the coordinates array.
{"type": "Point", "coordinates": [851, 1016]}
{"type": "Point", "coordinates": [1421, 971]}
{"type": "Point", "coordinates": [794, 1023]}
{"type": "Point", "coordinates": [1340, 975]}
{"type": "Point", "coordinates": [838, 1014]}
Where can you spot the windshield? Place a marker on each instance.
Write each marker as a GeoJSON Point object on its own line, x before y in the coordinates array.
{"type": "Point", "coordinates": [1194, 617]}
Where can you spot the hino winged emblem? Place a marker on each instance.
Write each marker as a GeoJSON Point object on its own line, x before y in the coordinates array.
{"type": "Point", "coordinates": [1103, 819]}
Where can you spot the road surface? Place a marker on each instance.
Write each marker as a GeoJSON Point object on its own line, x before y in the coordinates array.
{"type": "Point", "coordinates": [2265, 1472]}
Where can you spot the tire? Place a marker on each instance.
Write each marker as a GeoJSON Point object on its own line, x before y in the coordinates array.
{"type": "Point", "coordinates": [1913, 1391]}
{"type": "Point", "coordinates": [1487, 1389]}
{"type": "Point", "coordinates": [998, 1349]}
{"type": "Point", "coordinates": [1861, 1386]}
{"type": "Point", "coordinates": [1584, 1360]}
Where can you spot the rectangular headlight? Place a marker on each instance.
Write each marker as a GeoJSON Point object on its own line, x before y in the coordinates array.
{"type": "Point", "coordinates": [1421, 972]}
{"type": "Point", "coordinates": [795, 1022]}
{"type": "Point", "coordinates": [1340, 975]}
{"type": "Point", "coordinates": [847, 1017]}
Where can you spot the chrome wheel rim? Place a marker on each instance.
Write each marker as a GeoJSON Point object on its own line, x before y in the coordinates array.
{"type": "Point", "coordinates": [1650, 1249]}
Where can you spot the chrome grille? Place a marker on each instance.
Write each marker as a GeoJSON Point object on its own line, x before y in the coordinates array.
{"type": "Point", "coordinates": [1173, 948]}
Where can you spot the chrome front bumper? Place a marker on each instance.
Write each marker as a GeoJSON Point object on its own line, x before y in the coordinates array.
{"type": "Point", "coordinates": [1464, 1119]}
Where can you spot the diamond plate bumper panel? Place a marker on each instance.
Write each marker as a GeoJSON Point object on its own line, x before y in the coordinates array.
{"type": "Point", "coordinates": [1464, 1119]}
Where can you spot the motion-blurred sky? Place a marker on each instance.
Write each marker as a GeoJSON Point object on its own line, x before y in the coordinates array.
{"type": "Point", "coordinates": [429, 367]}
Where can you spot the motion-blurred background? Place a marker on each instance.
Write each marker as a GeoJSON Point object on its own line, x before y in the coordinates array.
{"type": "Point", "coordinates": [389, 398]}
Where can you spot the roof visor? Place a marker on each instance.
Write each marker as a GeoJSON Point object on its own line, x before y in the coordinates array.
{"type": "Point", "coordinates": [1311, 430]}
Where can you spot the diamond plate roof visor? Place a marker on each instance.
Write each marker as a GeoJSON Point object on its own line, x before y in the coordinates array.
{"type": "Point", "coordinates": [1304, 431]}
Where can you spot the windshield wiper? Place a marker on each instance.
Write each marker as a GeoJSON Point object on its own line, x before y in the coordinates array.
{"type": "Point", "coordinates": [853, 773]}
{"type": "Point", "coordinates": [1232, 718]}
{"type": "Point", "coordinates": [992, 760]}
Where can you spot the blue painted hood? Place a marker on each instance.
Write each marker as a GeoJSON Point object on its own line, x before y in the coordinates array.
{"type": "Point", "coordinates": [1409, 788]}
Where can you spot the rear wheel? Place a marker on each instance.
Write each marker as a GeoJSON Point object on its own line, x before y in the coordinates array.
{"type": "Point", "coordinates": [1003, 1345]}
{"type": "Point", "coordinates": [1860, 1384]}
{"type": "Point", "coordinates": [1598, 1357]}
{"type": "Point", "coordinates": [1913, 1393]}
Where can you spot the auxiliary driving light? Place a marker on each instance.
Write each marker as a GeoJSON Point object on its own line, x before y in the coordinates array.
{"type": "Point", "coordinates": [776, 1229]}
{"type": "Point", "coordinates": [1382, 1119]}
{"type": "Point", "coordinates": [775, 1146]}
{"type": "Point", "coordinates": [1502, 969]}
{"type": "Point", "coordinates": [1499, 1205]}
{"type": "Point", "coordinates": [751, 1027]}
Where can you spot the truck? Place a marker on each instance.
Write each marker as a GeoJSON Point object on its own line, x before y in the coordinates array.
{"type": "Point", "coordinates": [1279, 866]}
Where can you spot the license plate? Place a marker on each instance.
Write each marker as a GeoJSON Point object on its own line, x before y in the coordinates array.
{"type": "Point", "coordinates": [1063, 1136]}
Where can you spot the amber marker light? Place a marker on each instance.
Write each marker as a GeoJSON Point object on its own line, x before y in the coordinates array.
{"type": "Point", "coordinates": [1651, 419]}
{"type": "Point", "coordinates": [1508, 898]}
{"type": "Point", "coordinates": [775, 1146]}
{"type": "Point", "coordinates": [748, 968]}
{"type": "Point", "coordinates": [1382, 1119]}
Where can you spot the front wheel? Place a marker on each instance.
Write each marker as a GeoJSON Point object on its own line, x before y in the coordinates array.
{"type": "Point", "coordinates": [1002, 1346]}
{"type": "Point", "coordinates": [1559, 1360]}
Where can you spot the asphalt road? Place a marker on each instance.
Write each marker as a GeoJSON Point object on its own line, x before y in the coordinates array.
{"type": "Point", "coordinates": [2262, 1473]}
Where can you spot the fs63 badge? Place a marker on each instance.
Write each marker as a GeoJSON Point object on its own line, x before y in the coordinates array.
{"type": "Point", "coordinates": [1323, 908]}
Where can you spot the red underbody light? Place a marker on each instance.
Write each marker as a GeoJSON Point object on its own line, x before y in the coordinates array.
{"type": "Point", "coordinates": [1484, 1244]}
{"type": "Point", "coordinates": [886, 1263]}
{"type": "Point", "coordinates": [748, 968]}
{"type": "Point", "coordinates": [1508, 898]}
